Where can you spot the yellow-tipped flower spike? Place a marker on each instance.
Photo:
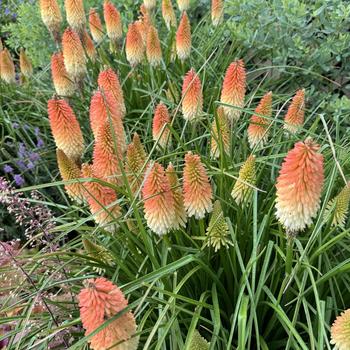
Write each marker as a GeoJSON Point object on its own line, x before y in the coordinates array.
{"type": "Point", "coordinates": [89, 46]}
{"type": "Point", "coordinates": [149, 4]}
{"type": "Point", "coordinates": [65, 129]}
{"type": "Point", "coordinates": [145, 15]}
{"type": "Point", "coordinates": [64, 86]}
{"type": "Point", "coordinates": [160, 131]}
{"type": "Point", "coordinates": [294, 118]}
{"type": "Point", "coordinates": [196, 187]}
{"type": "Point", "coordinates": [101, 199]}
{"type": "Point", "coordinates": [69, 170]}
{"type": "Point", "coordinates": [75, 14]}
{"type": "Point", "coordinates": [183, 38]}
{"type": "Point", "coordinates": [113, 21]}
{"type": "Point", "coordinates": [243, 191]}
{"type": "Point", "coordinates": [338, 207]}
{"type": "Point", "coordinates": [192, 97]}
{"type": "Point", "coordinates": [340, 331]}
{"type": "Point", "coordinates": [217, 12]}
{"type": "Point", "coordinates": [153, 49]}
{"type": "Point", "coordinates": [73, 55]}
{"type": "Point", "coordinates": [134, 46]}
{"type": "Point", "coordinates": [233, 89]}
{"type": "Point", "coordinates": [51, 17]}
{"type": "Point", "coordinates": [168, 14]}
{"type": "Point", "coordinates": [220, 133]}
{"type": "Point", "coordinates": [25, 64]}
{"type": "Point", "coordinates": [299, 186]}
{"type": "Point", "coordinates": [217, 231]}
{"type": "Point", "coordinates": [108, 154]}
{"type": "Point", "coordinates": [7, 68]}
{"type": "Point", "coordinates": [108, 81]}
{"type": "Point", "coordinates": [180, 218]}
{"type": "Point", "coordinates": [95, 25]}
{"type": "Point", "coordinates": [158, 199]}
{"type": "Point", "coordinates": [198, 342]}
{"type": "Point", "coordinates": [183, 5]}
{"type": "Point", "coordinates": [258, 127]}
{"type": "Point", "coordinates": [135, 164]}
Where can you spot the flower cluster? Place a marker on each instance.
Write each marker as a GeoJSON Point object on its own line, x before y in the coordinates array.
{"type": "Point", "coordinates": [27, 158]}
{"type": "Point", "coordinates": [37, 220]}
{"type": "Point", "coordinates": [100, 301]}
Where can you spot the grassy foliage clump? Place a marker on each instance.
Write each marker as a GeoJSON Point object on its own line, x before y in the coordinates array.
{"type": "Point", "coordinates": [231, 273]}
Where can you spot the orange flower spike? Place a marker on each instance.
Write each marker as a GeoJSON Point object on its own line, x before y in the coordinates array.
{"type": "Point", "coordinates": [294, 118]}
{"type": "Point", "coordinates": [160, 131]}
{"type": "Point", "coordinates": [95, 25]}
{"type": "Point", "coordinates": [69, 170]}
{"type": "Point", "coordinates": [183, 38]}
{"type": "Point", "coordinates": [113, 21]}
{"type": "Point", "coordinates": [108, 81]}
{"type": "Point", "coordinates": [135, 163]}
{"type": "Point", "coordinates": [75, 14]}
{"type": "Point", "coordinates": [7, 67]}
{"type": "Point", "coordinates": [149, 4]}
{"type": "Point", "coordinates": [89, 46]}
{"type": "Point", "coordinates": [340, 331]}
{"type": "Point", "coordinates": [103, 107]}
{"type": "Point", "coordinates": [180, 212]}
{"type": "Point", "coordinates": [65, 129]}
{"type": "Point", "coordinates": [233, 89]}
{"type": "Point", "coordinates": [197, 190]}
{"type": "Point", "coordinates": [99, 197]}
{"type": "Point", "coordinates": [73, 55]}
{"type": "Point", "coordinates": [168, 14]}
{"type": "Point", "coordinates": [158, 199]}
{"type": "Point", "coordinates": [299, 186]}
{"type": "Point", "coordinates": [25, 64]}
{"type": "Point", "coordinates": [63, 85]}
{"type": "Point", "coordinates": [258, 127]}
{"type": "Point", "coordinates": [217, 12]}
{"type": "Point", "coordinates": [107, 155]}
{"type": "Point", "coordinates": [153, 49]}
{"type": "Point", "coordinates": [134, 46]}
{"type": "Point", "coordinates": [183, 5]}
{"type": "Point", "coordinates": [51, 17]}
{"type": "Point", "coordinates": [99, 301]}
{"type": "Point", "coordinates": [192, 98]}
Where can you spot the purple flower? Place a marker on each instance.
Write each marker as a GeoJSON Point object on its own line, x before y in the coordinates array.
{"type": "Point", "coordinates": [34, 157]}
{"type": "Point", "coordinates": [36, 131]}
{"type": "Point", "coordinates": [7, 11]}
{"type": "Point", "coordinates": [15, 125]}
{"type": "Point", "coordinates": [8, 169]}
{"type": "Point", "coordinates": [30, 165]}
{"type": "Point", "coordinates": [40, 143]}
{"type": "Point", "coordinates": [21, 164]}
{"type": "Point", "coordinates": [22, 150]}
{"type": "Point", "coordinates": [19, 180]}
